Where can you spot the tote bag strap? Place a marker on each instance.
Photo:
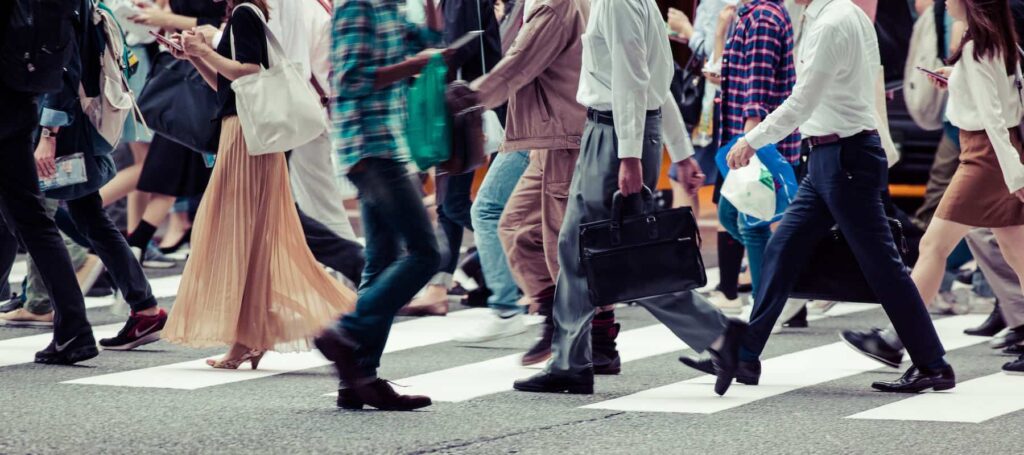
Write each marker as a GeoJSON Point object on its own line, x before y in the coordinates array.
{"type": "Point", "coordinates": [276, 50]}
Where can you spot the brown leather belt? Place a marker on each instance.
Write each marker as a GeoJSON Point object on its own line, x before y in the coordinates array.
{"type": "Point", "coordinates": [818, 141]}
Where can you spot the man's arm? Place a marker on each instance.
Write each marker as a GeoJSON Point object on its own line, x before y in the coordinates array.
{"type": "Point", "coordinates": [761, 56]}
{"type": "Point", "coordinates": [626, 35]}
{"type": "Point", "coordinates": [539, 43]}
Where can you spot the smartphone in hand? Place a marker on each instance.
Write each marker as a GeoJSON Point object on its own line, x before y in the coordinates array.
{"type": "Point", "coordinates": [167, 41]}
{"type": "Point", "coordinates": [934, 75]}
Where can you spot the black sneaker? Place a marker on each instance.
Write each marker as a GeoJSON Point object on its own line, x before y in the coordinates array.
{"type": "Point", "coordinates": [872, 344]}
{"type": "Point", "coordinates": [138, 331]}
{"type": "Point", "coordinates": [1016, 367]}
{"type": "Point", "coordinates": [78, 349]}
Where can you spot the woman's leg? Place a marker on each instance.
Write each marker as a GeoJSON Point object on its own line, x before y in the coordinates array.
{"type": "Point", "coordinates": [156, 211]}
{"type": "Point", "coordinates": [938, 242]}
{"type": "Point", "coordinates": [137, 200]}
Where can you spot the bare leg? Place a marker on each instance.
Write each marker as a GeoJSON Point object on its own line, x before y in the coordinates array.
{"type": "Point", "coordinates": [938, 242]}
{"type": "Point", "coordinates": [178, 224]}
{"type": "Point", "coordinates": [157, 209]}
{"type": "Point", "coordinates": [137, 200]}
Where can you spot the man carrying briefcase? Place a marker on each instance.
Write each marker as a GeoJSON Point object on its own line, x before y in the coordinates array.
{"type": "Point", "coordinates": [627, 67]}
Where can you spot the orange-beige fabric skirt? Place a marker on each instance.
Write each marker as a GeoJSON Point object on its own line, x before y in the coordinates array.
{"type": "Point", "coordinates": [250, 277]}
{"type": "Point", "coordinates": [977, 195]}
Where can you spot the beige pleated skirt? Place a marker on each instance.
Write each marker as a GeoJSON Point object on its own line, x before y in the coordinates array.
{"type": "Point", "coordinates": [250, 277]}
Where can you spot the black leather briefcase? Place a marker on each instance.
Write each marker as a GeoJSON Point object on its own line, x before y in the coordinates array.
{"type": "Point", "coordinates": [628, 258]}
{"type": "Point", "coordinates": [834, 274]}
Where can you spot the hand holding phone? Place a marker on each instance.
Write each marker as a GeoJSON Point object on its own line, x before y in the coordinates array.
{"type": "Point", "coordinates": [173, 44]}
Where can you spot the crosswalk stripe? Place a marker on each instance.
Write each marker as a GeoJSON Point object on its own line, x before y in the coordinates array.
{"type": "Point", "coordinates": [474, 380]}
{"type": "Point", "coordinates": [974, 401]}
{"type": "Point", "coordinates": [195, 374]}
{"type": "Point", "coordinates": [780, 375]}
{"type": "Point", "coordinates": [16, 351]}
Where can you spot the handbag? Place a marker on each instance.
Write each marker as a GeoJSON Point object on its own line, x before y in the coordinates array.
{"type": "Point", "coordinates": [467, 131]}
{"type": "Point", "coordinates": [428, 127]}
{"type": "Point", "coordinates": [651, 253]}
{"type": "Point", "coordinates": [177, 103]}
{"type": "Point", "coordinates": [833, 274]}
{"type": "Point", "coordinates": [688, 89]}
{"type": "Point", "coordinates": [277, 108]}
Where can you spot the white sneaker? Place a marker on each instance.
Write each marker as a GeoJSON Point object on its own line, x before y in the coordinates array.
{"type": "Point", "coordinates": [728, 306]}
{"type": "Point", "coordinates": [495, 328]}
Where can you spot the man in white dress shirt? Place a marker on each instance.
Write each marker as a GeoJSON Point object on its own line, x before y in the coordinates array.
{"type": "Point", "coordinates": [624, 83]}
{"type": "Point", "coordinates": [833, 104]}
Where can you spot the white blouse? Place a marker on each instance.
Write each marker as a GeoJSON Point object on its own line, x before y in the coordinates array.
{"type": "Point", "coordinates": [983, 97]}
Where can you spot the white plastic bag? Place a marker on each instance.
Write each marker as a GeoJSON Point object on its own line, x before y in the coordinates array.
{"type": "Point", "coordinates": [494, 134]}
{"type": "Point", "coordinates": [751, 189]}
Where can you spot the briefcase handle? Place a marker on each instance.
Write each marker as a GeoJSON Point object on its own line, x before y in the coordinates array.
{"type": "Point", "coordinates": [647, 208]}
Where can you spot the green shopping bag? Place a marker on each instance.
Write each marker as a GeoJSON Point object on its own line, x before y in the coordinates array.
{"type": "Point", "coordinates": [428, 126]}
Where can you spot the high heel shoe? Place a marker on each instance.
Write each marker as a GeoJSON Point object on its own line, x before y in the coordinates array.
{"type": "Point", "coordinates": [253, 357]}
{"type": "Point", "coordinates": [186, 238]}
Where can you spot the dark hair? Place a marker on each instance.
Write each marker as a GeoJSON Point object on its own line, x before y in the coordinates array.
{"type": "Point", "coordinates": [990, 26]}
{"type": "Point", "coordinates": [261, 4]}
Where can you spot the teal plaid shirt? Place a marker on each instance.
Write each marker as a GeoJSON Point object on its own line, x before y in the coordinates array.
{"type": "Point", "coordinates": [370, 123]}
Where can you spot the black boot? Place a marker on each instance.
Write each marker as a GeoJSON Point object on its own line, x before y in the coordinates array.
{"type": "Point", "coordinates": [602, 341]}
{"type": "Point", "coordinates": [541, 350]}
{"type": "Point", "coordinates": [991, 327]}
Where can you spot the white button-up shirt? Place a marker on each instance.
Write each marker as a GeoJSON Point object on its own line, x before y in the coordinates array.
{"type": "Point", "coordinates": [837, 63]}
{"type": "Point", "coordinates": [627, 69]}
{"type": "Point", "coordinates": [983, 97]}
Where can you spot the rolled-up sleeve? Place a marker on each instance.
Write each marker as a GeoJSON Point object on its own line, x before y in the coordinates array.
{"type": "Point", "coordinates": [352, 49]}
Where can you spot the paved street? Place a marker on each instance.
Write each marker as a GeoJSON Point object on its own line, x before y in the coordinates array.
{"type": "Point", "coordinates": [814, 397]}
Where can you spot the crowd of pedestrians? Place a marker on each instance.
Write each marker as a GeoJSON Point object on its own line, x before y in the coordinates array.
{"type": "Point", "coordinates": [587, 94]}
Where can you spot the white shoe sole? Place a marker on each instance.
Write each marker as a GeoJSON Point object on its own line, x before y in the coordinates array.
{"type": "Point", "coordinates": [151, 338]}
{"type": "Point", "coordinates": [490, 337]}
{"type": "Point", "coordinates": [1014, 373]}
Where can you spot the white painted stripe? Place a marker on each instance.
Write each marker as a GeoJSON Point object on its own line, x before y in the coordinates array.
{"type": "Point", "coordinates": [15, 351]}
{"type": "Point", "coordinates": [195, 374]}
{"type": "Point", "coordinates": [474, 380]}
{"type": "Point", "coordinates": [974, 401]}
{"type": "Point", "coordinates": [18, 272]}
{"type": "Point", "coordinates": [780, 375]}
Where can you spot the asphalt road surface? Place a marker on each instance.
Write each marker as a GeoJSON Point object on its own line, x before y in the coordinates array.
{"type": "Point", "coordinates": [814, 398]}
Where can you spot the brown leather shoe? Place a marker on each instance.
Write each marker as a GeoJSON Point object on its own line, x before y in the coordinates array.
{"type": "Point", "coordinates": [379, 394]}
{"type": "Point", "coordinates": [420, 307]}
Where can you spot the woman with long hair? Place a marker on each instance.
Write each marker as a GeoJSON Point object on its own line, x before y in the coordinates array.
{"type": "Point", "coordinates": [250, 281]}
{"type": "Point", "coordinates": [987, 190]}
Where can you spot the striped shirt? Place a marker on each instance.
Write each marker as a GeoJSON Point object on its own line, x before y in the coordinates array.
{"type": "Point", "coordinates": [757, 70]}
{"type": "Point", "coordinates": [369, 122]}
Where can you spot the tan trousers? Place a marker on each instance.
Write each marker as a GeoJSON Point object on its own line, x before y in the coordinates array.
{"type": "Point", "coordinates": [532, 218]}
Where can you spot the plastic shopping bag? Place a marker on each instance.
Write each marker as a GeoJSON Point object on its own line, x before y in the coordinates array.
{"type": "Point", "coordinates": [783, 178]}
{"type": "Point", "coordinates": [493, 132]}
{"type": "Point", "coordinates": [428, 125]}
{"type": "Point", "coordinates": [751, 190]}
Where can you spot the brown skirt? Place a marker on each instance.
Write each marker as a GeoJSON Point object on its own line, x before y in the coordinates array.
{"type": "Point", "coordinates": [977, 196]}
{"type": "Point", "coordinates": [250, 277]}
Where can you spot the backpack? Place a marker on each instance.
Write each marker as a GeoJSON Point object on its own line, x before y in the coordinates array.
{"type": "Point", "coordinates": [925, 103]}
{"type": "Point", "coordinates": [35, 45]}
{"type": "Point", "coordinates": [109, 109]}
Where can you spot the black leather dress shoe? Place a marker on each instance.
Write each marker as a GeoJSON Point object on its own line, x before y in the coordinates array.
{"type": "Point", "coordinates": [1013, 337]}
{"type": "Point", "coordinates": [379, 394]}
{"type": "Point", "coordinates": [918, 380]}
{"type": "Point", "coordinates": [748, 373]}
{"type": "Point", "coordinates": [871, 344]}
{"type": "Point", "coordinates": [544, 382]}
{"type": "Point", "coordinates": [992, 325]}
{"type": "Point", "coordinates": [1014, 350]}
{"type": "Point", "coordinates": [1016, 367]}
{"type": "Point", "coordinates": [727, 359]}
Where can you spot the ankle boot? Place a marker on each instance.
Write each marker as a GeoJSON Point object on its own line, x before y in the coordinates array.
{"type": "Point", "coordinates": [605, 356]}
{"type": "Point", "coordinates": [991, 327]}
{"type": "Point", "coordinates": [541, 351]}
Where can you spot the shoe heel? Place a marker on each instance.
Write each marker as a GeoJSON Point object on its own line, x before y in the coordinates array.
{"type": "Point", "coordinates": [350, 405]}
{"type": "Point", "coordinates": [941, 387]}
{"type": "Point", "coordinates": [581, 389]}
{"type": "Point", "coordinates": [255, 361]}
{"type": "Point", "coordinates": [748, 381]}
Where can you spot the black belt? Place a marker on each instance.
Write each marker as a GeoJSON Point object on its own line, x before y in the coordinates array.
{"type": "Point", "coordinates": [605, 117]}
{"type": "Point", "coordinates": [818, 141]}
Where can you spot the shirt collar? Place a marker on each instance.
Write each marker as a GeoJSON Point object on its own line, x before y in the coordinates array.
{"type": "Point", "coordinates": [814, 9]}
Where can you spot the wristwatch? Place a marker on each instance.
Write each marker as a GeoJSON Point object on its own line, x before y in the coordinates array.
{"type": "Point", "coordinates": [47, 132]}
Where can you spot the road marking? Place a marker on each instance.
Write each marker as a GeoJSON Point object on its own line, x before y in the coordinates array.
{"type": "Point", "coordinates": [16, 351]}
{"type": "Point", "coordinates": [974, 401]}
{"type": "Point", "coordinates": [474, 380]}
{"type": "Point", "coordinates": [18, 272]}
{"type": "Point", "coordinates": [780, 375]}
{"type": "Point", "coordinates": [195, 374]}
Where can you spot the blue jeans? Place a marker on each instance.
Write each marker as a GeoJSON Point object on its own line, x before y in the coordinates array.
{"type": "Point", "coordinates": [755, 239]}
{"type": "Point", "coordinates": [393, 217]}
{"type": "Point", "coordinates": [452, 219]}
{"type": "Point", "coordinates": [501, 180]}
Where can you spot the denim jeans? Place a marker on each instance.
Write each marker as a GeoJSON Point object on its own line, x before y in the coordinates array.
{"type": "Point", "coordinates": [501, 179]}
{"type": "Point", "coordinates": [453, 218]}
{"type": "Point", "coordinates": [754, 239]}
{"type": "Point", "coordinates": [393, 216]}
